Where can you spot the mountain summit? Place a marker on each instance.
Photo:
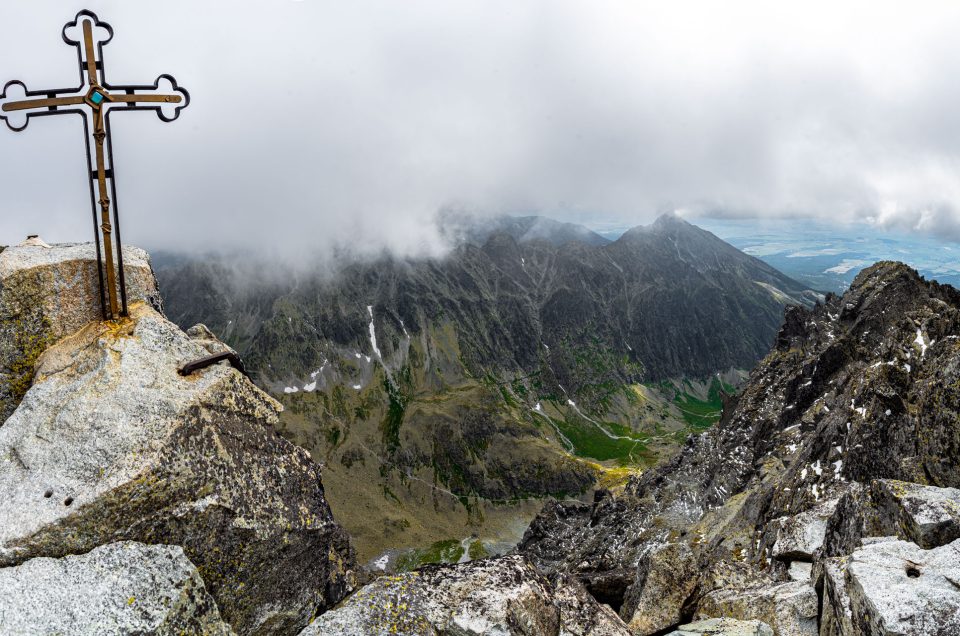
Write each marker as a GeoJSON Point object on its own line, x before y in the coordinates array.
{"type": "Point", "coordinates": [139, 499]}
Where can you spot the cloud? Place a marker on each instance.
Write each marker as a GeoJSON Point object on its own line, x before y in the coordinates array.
{"type": "Point", "coordinates": [316, 125]}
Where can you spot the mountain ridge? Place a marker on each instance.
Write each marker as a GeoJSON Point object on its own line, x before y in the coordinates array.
{"type": "Point", "coordinates": [540, 368]}
{"type": "Point", "coordinates": [846, 432]}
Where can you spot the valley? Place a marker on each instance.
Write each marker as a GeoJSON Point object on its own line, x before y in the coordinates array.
{"type": "Point", "coordinates": [449, 398]}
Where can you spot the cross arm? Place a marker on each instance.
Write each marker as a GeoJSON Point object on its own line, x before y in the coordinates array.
{"type": "Point", "coordinates": [142, 97]}
{"type": "Point", "coordinates": [28, 104]}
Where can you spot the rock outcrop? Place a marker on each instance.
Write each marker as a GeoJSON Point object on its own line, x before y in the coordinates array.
{"type": "Point", "coordinates": [665, 580]}
{"type": "Point", "coordinates": [894, 587]}
{"type": "Point", "coordinates": [110, 443]}
{"type": "Point", "coordinates": [505, 596]}
{"type": "Point", "coordinates": [116, 589]}
{"type": "Point", "coordinates": [847, 431]}
{"type": "Point", "coordinates": [47, 292]}
{"type": "Point", "coordinates": [790, 608]}
{"type": "Point", "coordinates": [927, 515]}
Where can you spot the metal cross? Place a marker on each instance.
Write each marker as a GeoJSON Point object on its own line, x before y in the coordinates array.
{"type": "Point", "coordinates": [101, 99]}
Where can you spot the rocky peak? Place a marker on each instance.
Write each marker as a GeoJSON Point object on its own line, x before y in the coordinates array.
{"type": "Point", "coordinates": [860, 388]}
{"type": "Point", "coordinates": [668, 224]}
{"type": "Point", "coordinates": [47, 292]}
{"type": "Point", "coordinates": [670, 221]}
{"type": "Point", "coordinates": [111, 443]}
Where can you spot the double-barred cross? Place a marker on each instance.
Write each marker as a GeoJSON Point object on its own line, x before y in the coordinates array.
{"type": "Point", "coordinates": [101, 99]}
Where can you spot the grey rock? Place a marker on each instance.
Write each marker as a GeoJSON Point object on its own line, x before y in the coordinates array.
{"type": "Point", "coordinates": [724, 627]}
{"type": "Point", "coordinates": [666, 578]}
{"type": "Point", "coordinates": [47, 293]}
{"type": "Point", "coordinates": [504, 596]}
{"type": "Point", "coordinates": [927, 515]}
{"type": "Point", "coordinates": [897, 588]}
{"type": "Point", "coordinates": [836, 619]}
{"type": "Point", "coordinates": [800, 570]}
{"type": "Point", "coordinates": [790, 608]}
{"type": "Point", "coordinates": [110, 443]}
{"type": "Point", "coordinates": [118, 589]}
{"type": "Point", "coordinates": [800, 536]}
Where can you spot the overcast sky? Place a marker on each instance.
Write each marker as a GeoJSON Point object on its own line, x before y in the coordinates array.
{"type": "Point", "coordinates": [316, 122]}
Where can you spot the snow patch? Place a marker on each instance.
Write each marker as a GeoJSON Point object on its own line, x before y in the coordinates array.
{"type": "Point", "coordinates": [921, 342]}
{"type": "Point", "coordinates": [373, 334]}
{"type": "Point", "coordinates": [290, 389]}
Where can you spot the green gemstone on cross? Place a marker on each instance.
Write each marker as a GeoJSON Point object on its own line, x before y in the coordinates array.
{"type": "Point", "coordinates": [96, 98]}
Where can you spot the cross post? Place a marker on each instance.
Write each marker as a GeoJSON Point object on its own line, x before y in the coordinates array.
{"type": "Point", "coordinates": [100, 99]}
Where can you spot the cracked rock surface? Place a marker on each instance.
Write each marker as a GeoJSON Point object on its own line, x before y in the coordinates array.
{"type": "Point", "coordinates": [504, 596]}
{"type": "Point", "coordinates": [111, 443]}
{"type": "Point", "coordinates": [47, 292]}
{"type": "Point", "coordinates": [116, 589]}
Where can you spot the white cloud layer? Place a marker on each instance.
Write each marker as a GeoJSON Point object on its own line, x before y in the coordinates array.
{"type": "Point", "coordinates": [317, 123]}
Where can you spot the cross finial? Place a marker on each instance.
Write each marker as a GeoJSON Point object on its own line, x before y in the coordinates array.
{"type": "Point", "coordinates": [100, 99]}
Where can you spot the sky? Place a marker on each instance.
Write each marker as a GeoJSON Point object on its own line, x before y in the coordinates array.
{"type": "Point", "coordinates": [318, 125]}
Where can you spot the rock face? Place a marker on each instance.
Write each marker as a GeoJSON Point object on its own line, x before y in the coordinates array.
{"type": "Point", "coordinates": [790, 608]}
{"type": "Point", "coordinates": [47, 292]}
{"type": "Point", "coordinates": [665, 580]}
{"type": "Point", "coordinates": [110, 443]}
{"type": "Point", "coordinates": [504, 596]}
{"type": "Point", "coordinates": [116, 589]}
{"type": "Point", "coordinates": [895, 588]}
{"type": "Point", "coordinates": [847, 431]}
{"type": "Point", "coordinates": [927, 515]}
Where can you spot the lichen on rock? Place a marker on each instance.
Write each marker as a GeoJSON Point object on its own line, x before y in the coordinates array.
{"type": "Point", "coordinates": [504, 596]}
{"type": "Point", "coordinates": [47, 293]}
{"type": "Point", "coordinates": [111, 443]}
{"type": "Point", "coordinates": [114, 590]}
{"type": "Point", "coordinates": [895, 588]}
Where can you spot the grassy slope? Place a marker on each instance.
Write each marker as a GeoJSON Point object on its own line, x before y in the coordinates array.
{"type": "Point", "coordinates": [387, 505]}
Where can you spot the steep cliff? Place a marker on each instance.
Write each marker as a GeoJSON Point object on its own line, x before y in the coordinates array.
{"type": "Point", "coordinates": [847, 431]}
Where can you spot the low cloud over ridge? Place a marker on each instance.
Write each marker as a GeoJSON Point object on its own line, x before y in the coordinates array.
{"type": "Point", "coordinates": [318, 124]}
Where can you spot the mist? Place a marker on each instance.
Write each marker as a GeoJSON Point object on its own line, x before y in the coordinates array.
{"type": "Point", "coordinates": [324, 128]}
